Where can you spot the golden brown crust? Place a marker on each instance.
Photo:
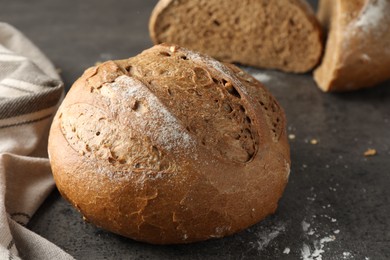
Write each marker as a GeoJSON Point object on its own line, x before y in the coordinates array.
{"type": "Point", "coordinates": [282, 34]}
{"type": "Point", "coordinates": [357, 51]}
{"type": "Point", "coordinates": [170, 147]}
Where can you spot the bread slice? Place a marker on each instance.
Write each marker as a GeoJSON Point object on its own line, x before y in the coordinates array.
{"type": "Point", "coordinates": [358, 47]}
{"type": "Point", "coordinates": [282, 34]}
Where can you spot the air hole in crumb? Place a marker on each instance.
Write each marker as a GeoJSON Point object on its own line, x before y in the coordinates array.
{"type": "Point", "coordinates": [261, 103]}
{"type": "Point", "coordinates": [111, 160]}
{"type": "Point", "coordinates": [122, 161]}
{"type": "Point", "coordinates": [169, 92]}
{"type": "Point", "coordinates": [137, 165]}
{"type": "Point", "coordinates": [215, 81]}
{"type": "Point", "coordinates": [246, 132]}
{"type": "Point", "coordinates": [154, 149]}
{"type": "Point", "coordinates": [97, 133]}
{"type": "Point", "coordinates": [248, 120]}
{"type": "Point", "coordinates": [166, 27]}
{"type": "Point", "coordinates": [216, 22]}
{"type": "Point", "coordinates": [232, 90]}
{"type": "Point", "coordinates": [166, 54]}
{"type": "Point", "coordinates": [183, 57]}
{"type": "Point", "coordinates": [227, 108]}
{"type": "Point", "coordinates": [135, 105]}
{"type": "Point", "coordinates": [128, 69]}
{"type": "Point", "coordinates": [242, 108]}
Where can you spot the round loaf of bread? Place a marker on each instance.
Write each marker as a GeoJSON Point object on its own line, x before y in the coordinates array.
{"type": "Point", "coordinates": [170, 146]}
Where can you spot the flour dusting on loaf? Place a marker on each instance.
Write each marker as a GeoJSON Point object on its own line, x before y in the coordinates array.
{"type": "Point", "coordinates": [152, 115]}
{"type": "Point", "coordinates": [372, 15]}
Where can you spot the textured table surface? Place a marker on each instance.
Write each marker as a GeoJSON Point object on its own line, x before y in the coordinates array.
{"type": "Point", "coordinates": [336, 204]}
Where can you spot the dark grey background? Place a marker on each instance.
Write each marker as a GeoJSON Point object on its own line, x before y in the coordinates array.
{"type": "Point", "coordinates": [332, 185]}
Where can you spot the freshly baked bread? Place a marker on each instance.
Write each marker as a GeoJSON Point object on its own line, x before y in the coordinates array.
{"type": "Point", "coordinates": [358, 47]}
{"type": "Point", "coordinates": [170, 147]}
{"type": "Point", "coordinates": [283, 34]}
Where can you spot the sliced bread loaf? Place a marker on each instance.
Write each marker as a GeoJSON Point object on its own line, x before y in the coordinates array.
{"type": "Point", "coordinates": [358, 47]}
{"type": "Point", "coordinates": [282, 34]}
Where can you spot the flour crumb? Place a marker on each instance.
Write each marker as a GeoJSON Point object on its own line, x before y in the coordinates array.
{"type": "Point", "coordinates": [305, 252]}
{"type": "Point", "coordinates": [336, 231]}
{"type": "Point", "coordinates": [286, 251]}
{"type": "Point", "coordinates": [347, 255]}
{"type": "Point", "coordinates": [370, 152]}
{"type": "Point", "coordinates": [305, 226]}
{"type": "Point", "coordinates": [291, 136]}
{"type": "Point", "coordinates": [262, 77]}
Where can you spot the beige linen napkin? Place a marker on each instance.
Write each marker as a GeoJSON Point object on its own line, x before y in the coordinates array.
{"type": "Point", "coordinates": [30, 92]}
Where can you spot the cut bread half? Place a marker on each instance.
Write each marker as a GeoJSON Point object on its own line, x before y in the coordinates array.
{"type": "Point", "coordinates": [357, 51]}
{"type": "Point", "coordinates": [282, 34]}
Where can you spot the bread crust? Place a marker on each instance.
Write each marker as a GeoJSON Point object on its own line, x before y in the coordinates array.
{"type": "Point", "coordinates": [142, 148]}
{"type": "Point", "coordinates": [292, 44]}
{"type": "Point", "coordinates": [357, 51]}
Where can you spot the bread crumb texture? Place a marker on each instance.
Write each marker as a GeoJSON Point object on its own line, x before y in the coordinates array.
{"type": "Point", "coordinates": [281, 34]}
{"type": "Point", "coordinates": [170, 147]}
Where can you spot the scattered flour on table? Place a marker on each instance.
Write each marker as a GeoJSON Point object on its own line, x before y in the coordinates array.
{"type": "Point", "coordinates": [265, 237]}
{"type": "Point", "coordinates": [315, 238]}
{"type": "Point", "coordinates": [315, 253]}
{"type": "Point", "coordinates": [265, 234]}
{"type": "Point", "coordinates": [262, 77]}
{"type": "Point", "coordinates": [347, 255]}
{"type": "Point", "coordinates": [305, 226]}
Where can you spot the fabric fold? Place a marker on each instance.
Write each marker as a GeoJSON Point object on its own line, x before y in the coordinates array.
{"type": "Point", "coordinates": [30, 93]}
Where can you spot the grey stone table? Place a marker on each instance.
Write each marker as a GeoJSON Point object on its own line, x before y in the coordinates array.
{"type": "Point", "coordinates": [336, 205]}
